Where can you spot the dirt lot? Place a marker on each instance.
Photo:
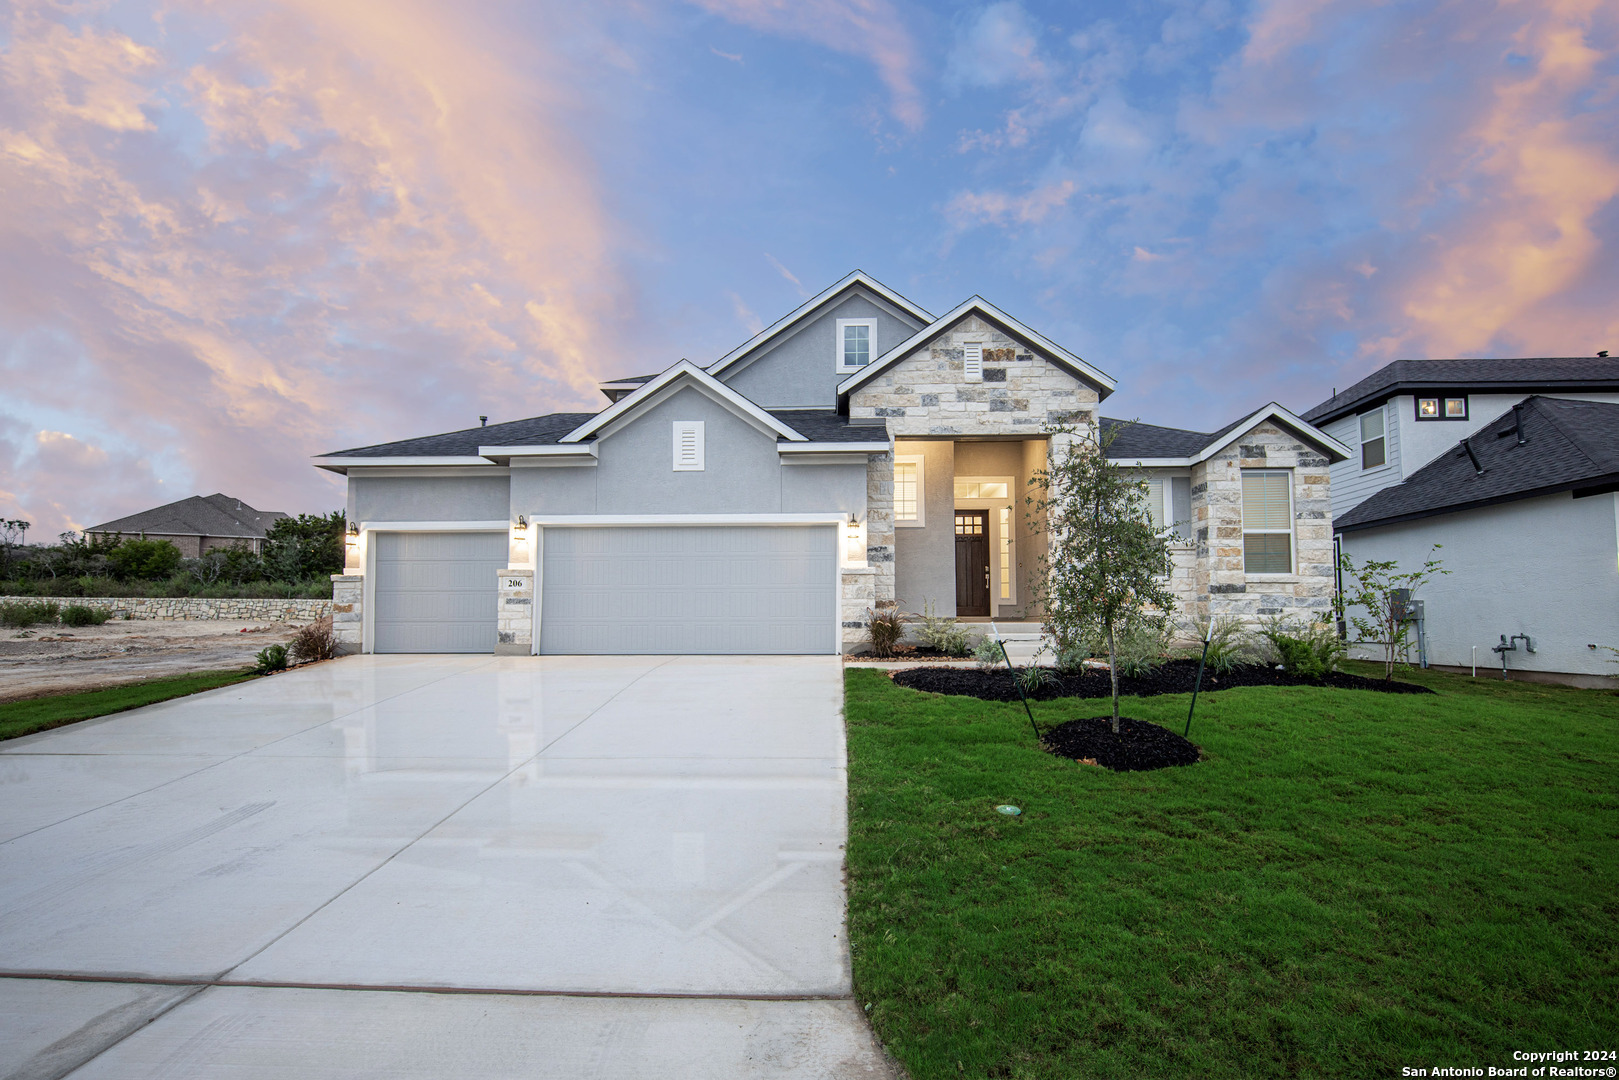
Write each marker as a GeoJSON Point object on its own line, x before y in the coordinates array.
{"type": "Point", "coordinates": [62, 659]}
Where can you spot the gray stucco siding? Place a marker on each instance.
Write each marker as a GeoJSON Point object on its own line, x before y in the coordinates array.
{"type": "Point", "coordinates": [925, 557]}
{"type": "Point", "coordinates": [429, 498]}
{"type": "Point", "coordinates": [1547, 567]}
{"type": "Point", "coordinates": [635, 474]}
{"type": "Point", "coordinates": [813, 489]}
{"type": "Point", "coordinates": [550, 490]}
{"type": "Point", "coordinates": [800, 369]}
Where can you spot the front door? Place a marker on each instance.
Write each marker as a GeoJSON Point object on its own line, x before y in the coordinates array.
{"type": "Point", "coordinates": [972, 562]}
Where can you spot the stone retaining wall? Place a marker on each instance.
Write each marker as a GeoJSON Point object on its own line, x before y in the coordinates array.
{"type": "Point", "coordinates": [190, 608]}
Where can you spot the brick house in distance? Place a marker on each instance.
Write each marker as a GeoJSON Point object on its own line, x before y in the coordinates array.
{"type": "Point", "coordinates": [196, 525]}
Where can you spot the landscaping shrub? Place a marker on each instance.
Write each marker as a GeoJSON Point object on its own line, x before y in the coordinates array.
{"type": "Point", "coordinates": [1071, 661]}
{"type": "Point", "coordinates": [1031, 679]}
{"type": "Point", "coordinates": [1230, 646]}
{"type": "Point", "coordinates": [271, 658]}
{"type": "Point", "coordinates": [988, 653]}
{"type": "Point", "coordinates": [1141, 648]}
{"type": "Point", "coordinates": [84, 615]}
{"type": "Point", "coordinates": [24, 613]}
{"type": "Point", "coordinates": [1308, 650]}
{"type": "Point", "coordinates": [945, 634]}
{"type": "Point", "coordinates": [314, 642]}
{"type": "Point", "coordinates": [144, 560]}
{"type": "Point", "coordinates": [885, 626]}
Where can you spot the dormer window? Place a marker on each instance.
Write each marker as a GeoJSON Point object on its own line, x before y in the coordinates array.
{"type": "Point", "coordinates": [856, 338]}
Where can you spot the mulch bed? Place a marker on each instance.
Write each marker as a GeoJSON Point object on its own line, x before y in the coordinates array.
{"type": "Point", "coordinates": [1175, 677]}
{"type": "Point", "coordinates": [1137, 747]}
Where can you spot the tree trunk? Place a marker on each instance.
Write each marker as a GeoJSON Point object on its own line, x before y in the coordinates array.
{"type": "Point", "coordinates": [1113, 675]}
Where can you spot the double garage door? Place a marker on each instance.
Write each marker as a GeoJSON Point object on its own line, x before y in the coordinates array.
{"type": "Point", "coordinates": [622, 589]}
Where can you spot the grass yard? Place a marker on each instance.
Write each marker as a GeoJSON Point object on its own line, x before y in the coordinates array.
{"type": "Point", "coordinates": [1348, 883]}
{"type": "Point", "coordinates": [19, 718]}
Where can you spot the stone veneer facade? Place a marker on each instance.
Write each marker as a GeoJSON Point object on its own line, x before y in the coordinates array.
{"type": "Point", "coordinates": [1220, 585]}
{"type": "Point", "coordinates": [514, 617]}
{"type": "Point", "coordinates": [190, 608]}
{"type": "Point", "coordinates": [926, 395]}
{"type": "Point", "coordinates": [348, 600]}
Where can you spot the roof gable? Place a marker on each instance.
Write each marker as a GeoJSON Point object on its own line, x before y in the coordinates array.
{"type": "Point", "coordinates": [1173, 446]}
{"type": "Point", "coordinates": [681, 374]}
{"type": "Point", "coordinates": [1568, 445]}
{"type": "Point", "coordinates": [977, 305]}
{"type": "Point", "coordinates": [811, 308]}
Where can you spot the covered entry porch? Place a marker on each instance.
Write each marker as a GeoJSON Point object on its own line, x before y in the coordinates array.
{"type": "Point", "coordinates": [965, 544]}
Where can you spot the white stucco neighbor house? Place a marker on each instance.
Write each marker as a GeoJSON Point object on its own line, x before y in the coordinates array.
{"type": "Point", "coordinates": [860, 449]}
{"type": "Point", "coordinates": [1513, 467]}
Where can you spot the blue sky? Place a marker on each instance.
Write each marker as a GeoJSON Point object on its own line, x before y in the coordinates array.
{"type": "Point", "coordinates": [237, 235]}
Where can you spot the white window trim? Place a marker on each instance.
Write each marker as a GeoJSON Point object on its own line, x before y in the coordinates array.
{"type": "Point", "coordinates": [871, 346]}
{"type": "Point", "coordinates": [1167, 505]}
{"type": "Point", "coordinates": [680, 429]}
{"type": "Point", "coordinates": [921, 519]}
{"type": "Point", "coordinates": [1360, 436]}
{"type": "Point", "coordinates": [972, 361]}
{"type": "Point", "coordinates": [1289, 532]}
{"type": "Point", "coordinates": [995, 538]}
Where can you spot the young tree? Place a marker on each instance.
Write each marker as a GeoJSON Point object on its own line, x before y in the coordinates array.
{"type": "Point", "coordinates": [13, 534]}
{"type": "Point", "coordinates": [1376, 591]}
{"type": "Point", "coordinates": [305, 546]}
{"type": "Point", "coordinates": [1105, 565]}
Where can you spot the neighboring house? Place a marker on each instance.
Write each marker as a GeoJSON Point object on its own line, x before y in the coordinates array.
{"type": "Point", "coordinates": [197, 525]}
{"type": "Point", "coordinates": [859, 450]}
{"type": "Point", "coordinates": [1512, 466]}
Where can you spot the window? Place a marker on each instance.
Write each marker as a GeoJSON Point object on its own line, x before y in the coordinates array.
{"type": "Point", "coordinates": [1006, 553]}
{"type": "Point", "coordinates": [1442, 407]}
{"type": "Point", "coordinates": [1267, 521]}
{"type": "Point", "coordinates": [688, 446]}
{"type": "Point", "coordinates": [981, 489]}
{"type": "Point", "coordinates": [1372, 450]}
{"type": "Point", "coordinates": [856, 338]}
{"type": "Point", "coordinates": [972, 361]}
{"type": "Point", "coordinates": [1169, 498]}
{"type": "Point", "coordinates": [910, 509]}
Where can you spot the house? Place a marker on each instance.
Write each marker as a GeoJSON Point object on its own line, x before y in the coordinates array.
{"type": "Point", "coordinates": [860, 449]}
{"type": "Point", "coordinates": [197, 525]}
{"type": "Point", "coordinates": [1512, 466]}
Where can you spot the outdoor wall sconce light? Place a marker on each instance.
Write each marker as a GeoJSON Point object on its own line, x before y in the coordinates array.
{"type": "Point", "coordinates": [522, 523]}
{"type": "Point", "coordinates": [354, 533]}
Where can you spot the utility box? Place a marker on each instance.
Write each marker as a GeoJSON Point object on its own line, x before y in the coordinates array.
{"type": "Point", "coordinates": [1400, 603]}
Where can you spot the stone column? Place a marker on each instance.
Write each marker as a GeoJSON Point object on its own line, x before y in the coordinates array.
{"type": "Point", "coordinates": [514, 617]}
{"type": "Point", "coordinates": [348, 625]}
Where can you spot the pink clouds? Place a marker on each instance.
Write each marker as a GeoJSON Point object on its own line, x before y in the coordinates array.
{"type": "Point", "coordinates": [284, 241]}
{"type": "Point", "coordinates": [869, 29]}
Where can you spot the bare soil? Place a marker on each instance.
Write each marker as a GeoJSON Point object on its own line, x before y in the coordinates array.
{"type": "Point", "coordinates": [49, 659]}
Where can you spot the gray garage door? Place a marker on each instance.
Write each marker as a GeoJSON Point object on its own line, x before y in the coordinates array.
{"type": "Point", "coordinates": [691, 589]}
{"type": "Point", "coordinates": [435, 592]}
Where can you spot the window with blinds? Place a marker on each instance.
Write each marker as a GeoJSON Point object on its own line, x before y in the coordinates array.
{"type": "Point", "coordinates": [1267, 521]}
{"type": "Point", "coordinates": [688, 446]}
{"type": "Point", "coordinates": [972, 356]}
{"type": "Point", "coordinates": [908, 508]}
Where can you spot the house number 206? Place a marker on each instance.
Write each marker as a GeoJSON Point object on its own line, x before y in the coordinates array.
{"type": "Point", "coordinates": [514, 583]}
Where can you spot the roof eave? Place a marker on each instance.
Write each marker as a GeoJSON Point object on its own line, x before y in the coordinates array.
{"type": "Point", "coordinates": [1476, 504]}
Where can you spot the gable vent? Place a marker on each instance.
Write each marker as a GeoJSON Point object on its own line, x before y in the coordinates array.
{"type": "Point", "coordinates": [973, 361]}
{"type": "Point", "coordinates": [688, 446]}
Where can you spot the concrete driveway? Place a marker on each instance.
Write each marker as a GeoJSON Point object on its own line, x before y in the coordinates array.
{"type": "Point", "coordinates": [438, 866]}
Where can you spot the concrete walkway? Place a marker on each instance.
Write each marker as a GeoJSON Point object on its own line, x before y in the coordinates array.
{"type": "Point", "coordinates": [438, 866]}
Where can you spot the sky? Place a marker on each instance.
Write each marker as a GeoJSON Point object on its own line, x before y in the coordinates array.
{"type": "Point", "coordinates": [235, 235]}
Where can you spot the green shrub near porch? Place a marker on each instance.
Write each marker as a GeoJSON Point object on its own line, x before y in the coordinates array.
{"type": "Point", "coordinates": [1348, 883]}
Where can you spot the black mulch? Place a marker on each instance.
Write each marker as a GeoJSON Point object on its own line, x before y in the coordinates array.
{"type": "Point", "coordinates": [1137, 747]}
{"type": "Point", "coordinates": [1175, 677]}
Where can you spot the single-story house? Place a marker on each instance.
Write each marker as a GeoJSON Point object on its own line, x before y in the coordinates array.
{"type": "Point", "coordinates": [196, 525]}
{"type": "Point", "coordinates": [861, 449]}
{"type": "Point", "coordinates": [1512, 466]}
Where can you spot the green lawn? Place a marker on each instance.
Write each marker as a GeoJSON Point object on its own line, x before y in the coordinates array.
{"type": "Point", "coordinates": [1349, 883]}
{"type": "Point", "coordinates": [36, 714]}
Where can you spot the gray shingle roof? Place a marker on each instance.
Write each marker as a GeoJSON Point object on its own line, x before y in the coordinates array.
{"type": "Point", "coordinates": [1546, 374]}
{"type": "Point", "coordinates": [1570, 445]}
{"type": "Point", "coordinates": [632, 379]}
{"type": "Point", "coordinates": [200, 515]}
{"type": "Point", "coordinates": [1138, 440]}
{"type": "Point", "coordinates": [817, 425]}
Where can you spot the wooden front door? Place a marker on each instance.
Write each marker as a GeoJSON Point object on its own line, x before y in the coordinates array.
{"type": "Point", "coordinates": [972, 562]}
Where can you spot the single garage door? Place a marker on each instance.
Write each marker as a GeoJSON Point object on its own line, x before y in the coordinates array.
{"type": "Point", "coordinates": [436, 592]}
{"type": "Point", "coordinates": [690, 589]}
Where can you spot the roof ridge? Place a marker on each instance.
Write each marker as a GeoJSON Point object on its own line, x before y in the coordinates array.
{"type": "Point", "coordinates": [1544, 407]}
